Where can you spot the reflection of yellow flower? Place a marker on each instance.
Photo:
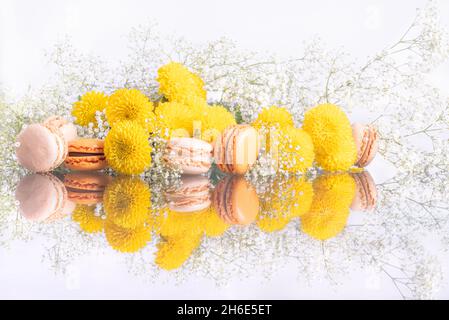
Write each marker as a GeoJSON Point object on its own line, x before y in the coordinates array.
{"type": "Point", "coordinates": [214, 225]}
{"type": "Point", "coordinates": [174, 224]}
{"type": "Point", "coordinates": [174, 116]}
{"type": "Point", "coordinates": [288, 198]}
{"type": "Point", "coordinates": [127, 149]}
{"type": "Point", "coordinates": [331, 133]}
{"type": "Point", "coordinates": [274, 117]}
{"type": "Point", "coordinates": [130, 105]}
{"type": "Point", "coordinates": [127, 202]}
{"type": "Point", "coordinates": [295, 150]}
{"type": "Point", "coordinates": [174, 251]}
{"type": "Point", "coordinates": [330, 206]}
{"type": "Point", "coordinates": [180, 133]}
{"type": "Point", "coordinates": [84, 110]}
{"type": "Point", "coordinates": [86, 218]}
{"type": "Point", "coordinates": [177, 83]}
{"type": "Point", "coordinates": [127, 240]}
{"type": "Point", "coordinates": [217, 117]}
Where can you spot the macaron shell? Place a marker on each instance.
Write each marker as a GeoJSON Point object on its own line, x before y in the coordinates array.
{"type": "Point", "coordinates": [192, 195]}
{"type": "Point", "coordinates": [40, 196]}
{"type": "Point", "coordinates": [190, 155]}
{"type": "Point", "coordinates": [67, 128]}
{"type": "Point", "coordinates": [40, 149]}
{"type": "Point", "coordinates": [244, 202]}
{"type": "Point", "coordinates": [366, 139]}
{"type": "Point", "coordinates": [365, 198]}
{"type": "Point", "coordinates": [236, 201]}
{"type": "Point", "coordinates": [237, 149]}
{"type": "Point", "coordinates": [86, 145]}
{"type": "Point", "coordinates": [86, 163]}
{"type": "Point", "coordinates": [83, 197]}
{"type": "Point", "coordinates": [87, 181]}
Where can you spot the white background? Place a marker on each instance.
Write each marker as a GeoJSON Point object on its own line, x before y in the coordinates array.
{"type": "Point", "coordinates": [29, 28]}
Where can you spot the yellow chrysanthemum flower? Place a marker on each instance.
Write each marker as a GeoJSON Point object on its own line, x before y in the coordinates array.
{"type": "Point", "coordinates": [288, 198]}
{"type": "Point", "coordinates": [330, 206]}
{"type": "Point", "coordinates": [127, 240]}
{"type": "Point", "coordinates": [331, 133]}
{"type": "Point", "coordinates": [217, 117]}
{"type": "Point", "coordinates": [127, 202]}
{"type": "Point", "coordinates": [179, 84]}
{"type": "Point", "coordinates": [84, 110]}
{"type": "Point", "coordinates": [174, 116]}
{"type": "Point", "coordinates": [174, 251]}
{"type": "Point", "coordinates": [127, 149]}
{"type": "Point", "coordinates": [85, 216]}
{"type": "Point", "coordinates": [295, 151]}
{"type": "Point", "coordinates": [273, 116]}
{"type": "Point", "coordinates": [175, 224]}
{"type": "Point", "coordinates": [214, 225]}
{"type": "Point", "coordinates": [131, 105]}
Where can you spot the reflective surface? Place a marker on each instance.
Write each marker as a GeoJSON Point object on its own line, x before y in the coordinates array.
{"type": "Point", "coordinates": [323, 236]}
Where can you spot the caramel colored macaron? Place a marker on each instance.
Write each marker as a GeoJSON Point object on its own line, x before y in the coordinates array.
{"type": "Point", "coordinates": [236, 201]}
{"type": "Point", "coordinates": [365, 198]}
{"type": "Point", "coordinates": [85, 155]}
{"type": "Point", "coordinates": [86, 188]}
{"type": "Point", "coordinates": [237, 149]}
{"type": "Point", "coordinates": [366, 139]}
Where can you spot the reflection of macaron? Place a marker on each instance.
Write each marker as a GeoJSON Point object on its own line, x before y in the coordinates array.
{"type": "Point", "coordinates": [365, 198]}
{"type": "Point", "coordinates": [192, 156]}
{"type": "Point", "coordinates": [367, 142]}
{"type": "Point", "coordinates": [42, 197]}
{"type": "Point", "coordinates": [86, 188]}
{"type": "Point", "coordinates": [192, 195]}
{"type": "Point", "coordinates": [236, 201]}
{"type": "Point", "coordinates": [41, 148]}
{"type": "Point", "coordinates": [237, 149]}
{"type": "Point", "coordinates": [86, 154]}
{"type": "Point", "coordinates": [67, 129]}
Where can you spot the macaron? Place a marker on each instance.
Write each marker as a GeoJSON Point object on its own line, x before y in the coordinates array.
{"type": "Point", "coordinates": [365, 198]}
{"type": "Point", "coordinates": [190, 155]}
{"type": "Point", "coordinates": [85, 154]}
{"type": "Point", "coordinates": [237, 149]}
{"type": "Point", "coordinates": [193, 194]}
{"type": "Point", "coordinates": [67, 128]}
{"type": "Point", "coordinates": [42, 197]}
{"type": "Point", "coordinates": [366, 139]}
{"type": "Point", "coordinates": [41, 148]}
{"type": "Point", "coordinates": [236, 201]}
{"type": "Point", "coordinates": [86, 188]}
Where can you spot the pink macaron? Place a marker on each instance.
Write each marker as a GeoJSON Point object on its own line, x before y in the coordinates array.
{"type": "Point", "coordinates": [43, 197]}
{"type": "Point", "coordinates": [365, 198]}
{"type": "Point", "coordinates": [366, 139]}
{"type": "Point", "coordinates": [67, 128]}
{"type": "Point", "coordinates": [190, 155]}
{"type": "Point", "coordinates": [193, 194]}
{"type": "Point", "coordinates": [41, 148]}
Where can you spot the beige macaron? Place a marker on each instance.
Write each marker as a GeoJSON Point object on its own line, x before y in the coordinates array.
{"type": "Point", "coordinates": [365, 198]}
{"type": "Point", "coordinates": [366, 139]}
{"type": "Point", "coordinates": [237, 149]}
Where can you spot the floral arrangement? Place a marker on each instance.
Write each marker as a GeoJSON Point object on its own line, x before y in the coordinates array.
{"type": "Point", "coordinates": [137, 107]}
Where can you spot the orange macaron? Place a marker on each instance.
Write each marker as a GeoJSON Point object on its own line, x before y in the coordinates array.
{"type": "Point", "coordinates": [86, 154]}
{"type": "Point", "coordinates": [236, 201]}
{"type": "Point", "coordinates": [237, 149]}
{"type": "Point", "coordinates": [86, 188]}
